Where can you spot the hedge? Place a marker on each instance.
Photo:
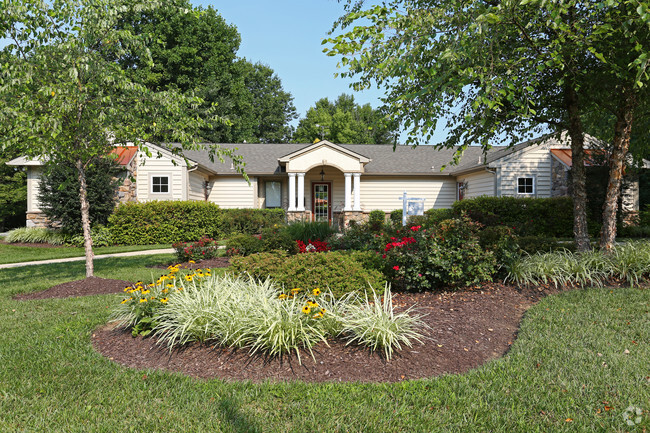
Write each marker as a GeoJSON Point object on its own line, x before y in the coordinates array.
{"type": "Point", "coordinates": [166, 222]}
{"type": "Point", "coordinates": [547, 217]}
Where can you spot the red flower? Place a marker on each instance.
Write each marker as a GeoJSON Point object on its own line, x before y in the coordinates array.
{"type": "Point", "coordinates": [396, 268]}
{"type": "Point", "coordinates": [383, 256]}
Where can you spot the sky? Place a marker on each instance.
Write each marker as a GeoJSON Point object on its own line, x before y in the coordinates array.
{"type": "Point", "coordinates": [286, 35]}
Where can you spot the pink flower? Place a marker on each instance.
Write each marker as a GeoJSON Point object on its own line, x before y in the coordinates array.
{"type": "Point", "coordinates": [396, 268]}
{"type": "Point", "coordinates": [419, 275]}
{"type": "Point", "coordinates": [383, 256]}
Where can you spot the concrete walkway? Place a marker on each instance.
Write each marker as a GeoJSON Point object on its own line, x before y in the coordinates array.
{"type": "Point", "coordinates": [80, 259]}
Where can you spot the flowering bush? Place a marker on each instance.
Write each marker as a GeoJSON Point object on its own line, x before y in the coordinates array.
{"type": "Point", "coordinates": [205, 248]}
{"type": "Point", "coordinates": [141, 303]}
{"type": "Point", "coordinates": [422, 259]}
{"type": "Point", "coordinates": [312, 246]}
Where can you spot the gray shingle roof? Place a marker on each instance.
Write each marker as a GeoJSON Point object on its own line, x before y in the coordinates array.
{"type": "Point", "coordinates": [262, 159]}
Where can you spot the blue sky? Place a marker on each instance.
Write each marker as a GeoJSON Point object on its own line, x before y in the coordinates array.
{"type": "Point", "coordinates": [286, 35]}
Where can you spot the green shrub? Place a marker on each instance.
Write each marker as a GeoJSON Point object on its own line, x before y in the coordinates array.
{"type": "Point", "coordinates": [205, 248]}
{"type": "Point", "coordinates": [396, 217]}
{"type": "Point", "coordinates": [250, 221]}
{"type": "Point", "coordinates": [357, 237]}
{"type": "Point", "coordinates": [160, 222]}
{"type": "Point", "coordinates": [501, 241]}
{"type": "Point", "coordinates": [100, 234]}
{"type": "Point", "coordinates": [244, 245]}
{"type": "Point", "coordinates": [164, 222]}
{"type": "Point", "coordinates": [305, 231]}
{"type": "Point", "coordinates": [337, 271]}
{"type": "Point", "coordinates": [548, 217]}
{"type": "Point", "coordinates": [450, 256]}
{"type": "Point", "coordinates": [634, 232]}
{"type": "Point", "coordinates": [376, 221]}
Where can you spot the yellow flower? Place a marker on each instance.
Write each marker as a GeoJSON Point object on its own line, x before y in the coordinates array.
{"type": "Point", "coordinates": [143, 300]}
{"type": "Point", "coordinates": [306, 309]}
{"type": "Point", "coordinates": [322, 312]}
{"type": "Point", "coordinates": [316, 291]}
{"type": "Point", "coordinates": [150, 285]}
{"type": "Point", "coordinates": [191, 261]}
{"type": "Point", "coordinates": [318, 316]}
{"type": "Point", "coordinates": [283, 296]}
{"type": "Point", "coordinates": [188, 277]}
{"type": "Point", "coordinates": [124, 301]}
{"type": "Point", "coordinates": [296, 290]}
{"type": "Point", "coordinates": [163, 300]}
{"type": "Point", "coordinates": [164, 290]}
{"type": "Point", "coordinates": [153, 297]}
{"type": "Point", "coordinates": [207, 274]}
{"type": "Point", "coordinates": [312, 304]}
{"type": "Point", "coordinates": [126, 289]}
{"type": "Point", "coordinates": [171, 277]}
{"type": "Point", "coordinates": [145, 292]}
{"type": "Point", "coordinates": [169, 286]}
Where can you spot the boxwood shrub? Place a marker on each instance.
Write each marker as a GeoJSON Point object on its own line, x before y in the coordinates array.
{"type": "Point", "coordinates": [339, 272]}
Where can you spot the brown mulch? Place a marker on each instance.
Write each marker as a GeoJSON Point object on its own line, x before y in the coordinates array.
{"type": "Point", "coordinates": [467, 329]}
{"type": "Point", "coordinates": [217, 262]}
{"type": "Point", "coordinates": [87, 286]}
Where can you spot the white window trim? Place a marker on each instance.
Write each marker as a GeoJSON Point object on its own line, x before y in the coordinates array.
{"type": "Point", "coordinates": [527, 194]}
{"type": "Point", "coordinates": [169, 184]}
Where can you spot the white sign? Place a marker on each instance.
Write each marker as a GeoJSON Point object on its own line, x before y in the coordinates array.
{"type": "Point", "coordinates": [411, 206]}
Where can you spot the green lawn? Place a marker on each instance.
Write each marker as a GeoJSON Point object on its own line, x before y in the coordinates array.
{"type": "Point", "coordinates": [15, 254]}
{"type": "Point", "coordinates": [567, 364]}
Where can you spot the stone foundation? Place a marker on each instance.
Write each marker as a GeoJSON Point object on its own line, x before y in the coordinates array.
{"type": "Point", "coordinates": [357, 216]}
{"type": "Point", "coordinates": [298, 216]}
{"type": "Point", "coordinates": [37, 219]}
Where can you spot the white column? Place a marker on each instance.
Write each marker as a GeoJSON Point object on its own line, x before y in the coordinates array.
{"type": "Point", "coordinates": [357, 192]}
{"type": "Point", "coordinates": [292, 192]}
{"type": "Point", "coordinates": [301, 192]}
{"type": "Point", "coordinates": [348, 192]}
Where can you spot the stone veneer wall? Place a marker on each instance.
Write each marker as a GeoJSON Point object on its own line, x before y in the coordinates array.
{"type": "Point", "coordinates": [559, 179]}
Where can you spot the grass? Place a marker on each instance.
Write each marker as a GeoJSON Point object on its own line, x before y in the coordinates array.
{"type": "Point", "coordinates": [567, 371]}
{"type": "Point", "coordinates": [16, 254]}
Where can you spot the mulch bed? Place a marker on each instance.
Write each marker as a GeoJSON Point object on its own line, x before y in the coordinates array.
{"type": "Point", "coordinates": [467, 328]}
{"type": "Point", "coordinates": [87, 286]}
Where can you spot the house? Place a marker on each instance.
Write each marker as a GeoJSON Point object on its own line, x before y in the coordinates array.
{"type": "Point", "coordinates": [327, 181]}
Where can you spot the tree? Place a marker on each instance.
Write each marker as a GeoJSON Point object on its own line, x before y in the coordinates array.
{"type": "Point", "coordinates": [59, 192]}
{"type": "Point", "coordinates": [13, 193]}
{"type": "Point", "coordinates": [345, 122]}
{"type": "Point", "coordinates": [61, 97]}
{"type": "Point", "coordinates": [498, 67]}
{"type": "Point", "coordinates": [197, 52]}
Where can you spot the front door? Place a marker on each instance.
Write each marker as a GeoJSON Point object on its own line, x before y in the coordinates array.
{"type": "Point", "coordinates": [321, 201]}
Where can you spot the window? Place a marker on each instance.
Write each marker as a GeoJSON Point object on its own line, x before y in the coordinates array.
{"type": "Point", "coordinates": [160, 184]}
{"type": "Point", "coordinates": [525, 185]}
{"type": "Point", "coordinates": [273, 194]}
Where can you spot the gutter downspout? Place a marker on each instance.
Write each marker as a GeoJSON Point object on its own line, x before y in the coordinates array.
{"type": "Point", "coordinates": [187, 186]}
{"type": "Point", "coordinates": [494, 172]}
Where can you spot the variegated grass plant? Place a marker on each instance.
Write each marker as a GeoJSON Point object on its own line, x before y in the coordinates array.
{"type": "Point", "coordinates": [36, 235]}
{"type": "Point", "coordinates": [375, 324]}
{"type": "Point", "coordinates": [629, 262]}
{"type": "Point", "coordinates": [239, 312]}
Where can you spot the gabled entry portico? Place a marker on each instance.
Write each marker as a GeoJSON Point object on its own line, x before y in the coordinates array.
{"type": "Point", "coordinates": [324, 168]}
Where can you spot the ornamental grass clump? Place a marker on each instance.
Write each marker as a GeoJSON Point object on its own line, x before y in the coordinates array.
{"type": "Point", "coordinates": [243, 312]}
{"type": "Point", "coordinates": [629, 263]}
{"type": "Point", "coordinates": [375, 324]}
{"type": "Point", "coordinates": [37, 235]}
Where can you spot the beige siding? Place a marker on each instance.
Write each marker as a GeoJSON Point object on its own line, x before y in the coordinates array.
{"type": "Point", "coordinates": [233, 192]}
{"type": "Point", "coordinates": [33, 183]}
{"type": "Point", "coordinates": [384, 193]}
{"type": "Point", "coordinates": [534, 161]}
{"type": "Point", "coordinates": [478, 184]}
{"type": "Point", "coordinates": [162, 166]}
{"type": "Point", "coordinates": [196, 186]}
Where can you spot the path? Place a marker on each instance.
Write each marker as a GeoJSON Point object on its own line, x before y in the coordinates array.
{"type": "Point", "coordinates": [80, 259]}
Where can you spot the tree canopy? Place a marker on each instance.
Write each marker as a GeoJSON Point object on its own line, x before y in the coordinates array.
{"type": "Point", "coordinates": [62, 96]}
{"type": "Point", "coordinates": [196, 51]}
{"type": "Point", "coordinates": [345, 122]}
{"type": "Point", "coordinates": [503, 68]}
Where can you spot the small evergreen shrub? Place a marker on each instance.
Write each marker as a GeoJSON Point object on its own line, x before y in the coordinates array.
{"type": "Point", "coordinates": [376, 221]}
{"type": "Point", "coordinates": [396, 217]}
{"type": "Point", "coordinates": [205, 248]}
{"type": "Point", "coordinates": [244, 245]}
{"type": "Point", "coordinates": [538, 244]}
{"type": "Point", "coordinates": [269, 240]}
{"type": "Point", "coordinates": [503, 244]}
{"type": "Point", "coordinates": [337, 271]}
{"type": "Point", "coordinates": [249, 221]}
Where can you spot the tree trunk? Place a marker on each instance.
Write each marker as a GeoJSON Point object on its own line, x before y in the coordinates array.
{"type": "Point", "coordinates": [620, 146]}
{"type": "Point", "coordinates": [85, 218]}
{"type": "Point", "coordinates": [580, 231]}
